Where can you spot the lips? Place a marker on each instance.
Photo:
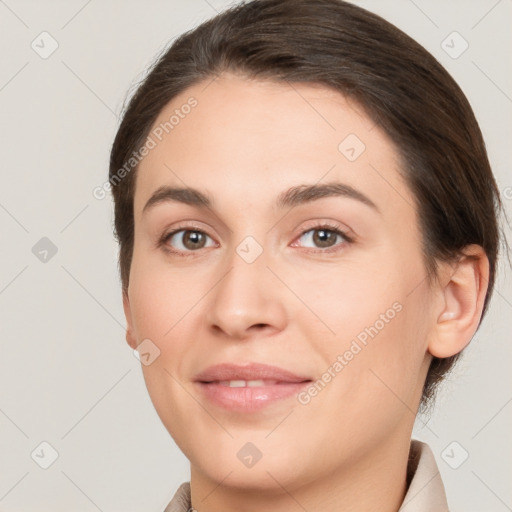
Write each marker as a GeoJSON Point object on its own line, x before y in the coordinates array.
{"type": "Point", "coordinates": [248, 388]}
{"type": "Point", "coordinates": [249, 372]}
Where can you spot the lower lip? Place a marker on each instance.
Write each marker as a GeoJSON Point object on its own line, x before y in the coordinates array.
{"type": "Point", "coordinates": [249, 399]}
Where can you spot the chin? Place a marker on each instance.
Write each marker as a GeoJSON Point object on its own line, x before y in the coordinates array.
{"type": "Point", "coordinates": [250, 466]}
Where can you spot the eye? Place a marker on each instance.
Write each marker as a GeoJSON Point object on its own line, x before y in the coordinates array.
{"type": "Point", "coordinates": [186, 240]}
{"type": "Point", "coordinates": [324, 236]}
{"type": "Point", "coordinates": [190, 239]}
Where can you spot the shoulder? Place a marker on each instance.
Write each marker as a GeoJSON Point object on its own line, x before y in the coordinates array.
{"type": "Point", "coordinates": [181, 500]}
{"type": "Point", "coordinates": [425, 491]}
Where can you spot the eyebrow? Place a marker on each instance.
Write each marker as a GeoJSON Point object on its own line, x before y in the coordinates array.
{"type": "Point", "coordinates": [294, 196]}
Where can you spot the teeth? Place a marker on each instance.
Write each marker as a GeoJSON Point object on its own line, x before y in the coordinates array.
{"type": "Point", "coordinates": [246, 383]}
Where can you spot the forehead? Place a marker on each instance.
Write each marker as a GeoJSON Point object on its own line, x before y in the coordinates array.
{"type": "Point", "coordinates": [233, 136]}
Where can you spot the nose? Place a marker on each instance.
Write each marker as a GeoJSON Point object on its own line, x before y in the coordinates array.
{"type": "Point", "coordinates": [247, 299]}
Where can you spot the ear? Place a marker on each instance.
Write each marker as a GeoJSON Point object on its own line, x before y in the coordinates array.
{"type": "Point", "coordinates": [130, 336]}
{"type": "Point", "coordinates": [463, 289]}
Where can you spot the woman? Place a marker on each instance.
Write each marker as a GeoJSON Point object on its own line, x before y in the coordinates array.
{"type": "Point", "coordinates": [308, 238]}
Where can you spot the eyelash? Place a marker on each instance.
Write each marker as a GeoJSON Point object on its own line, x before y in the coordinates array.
{"type": "Point", "coordinates": [326, 226]}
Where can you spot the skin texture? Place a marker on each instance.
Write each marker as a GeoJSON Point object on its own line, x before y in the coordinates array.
{"type": "Point", "coordinates": [298, 305]}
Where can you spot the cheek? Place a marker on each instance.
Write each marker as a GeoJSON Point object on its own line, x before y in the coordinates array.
{"type": "Point", "coordinates": [161, 297]}
{"type": "Point", "coordinates": [162, 306]}
{"type": "Point", "coordinates": [347, 301]}
{"type": "Point", "coordinates": [370, 318]}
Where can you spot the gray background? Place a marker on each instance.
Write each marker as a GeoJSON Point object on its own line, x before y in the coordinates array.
{"type": "Point", "coordinates": [67, 376]}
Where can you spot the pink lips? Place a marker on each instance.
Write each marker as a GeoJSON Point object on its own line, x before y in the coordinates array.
{"type": "Point", "coordinates": [253, 386]}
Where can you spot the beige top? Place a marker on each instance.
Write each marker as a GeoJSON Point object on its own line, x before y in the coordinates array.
{"type": "Point", "coordinates": [424, 494]}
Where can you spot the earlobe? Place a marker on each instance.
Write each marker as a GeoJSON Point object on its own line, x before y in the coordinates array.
{"type": "Point", "coordinates": [464, 288]}
{"type": "Point", "coordinates": [130, 336]}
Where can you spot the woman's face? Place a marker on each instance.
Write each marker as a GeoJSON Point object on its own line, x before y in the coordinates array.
{"type": "Point", "coordinates": [260, 275]}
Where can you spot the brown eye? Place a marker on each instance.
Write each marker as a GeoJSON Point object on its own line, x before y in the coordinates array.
{"type": "Point", "coordinates": [193, 239]}
{"type": "Point", "coordinates": [187, 240]}
{"type": "Point", "coordinates": [324, 237]}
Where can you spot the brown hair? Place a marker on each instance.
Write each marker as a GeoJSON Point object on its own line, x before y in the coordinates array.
{"type": "Point", "coordinates": [400, 85]}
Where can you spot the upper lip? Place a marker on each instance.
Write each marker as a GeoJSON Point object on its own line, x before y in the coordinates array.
{"type": "Point", "coordinates": [250, 371]}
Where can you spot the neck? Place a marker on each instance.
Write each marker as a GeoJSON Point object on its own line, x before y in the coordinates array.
{"type": "Point", "coordinates": [373, 481]}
